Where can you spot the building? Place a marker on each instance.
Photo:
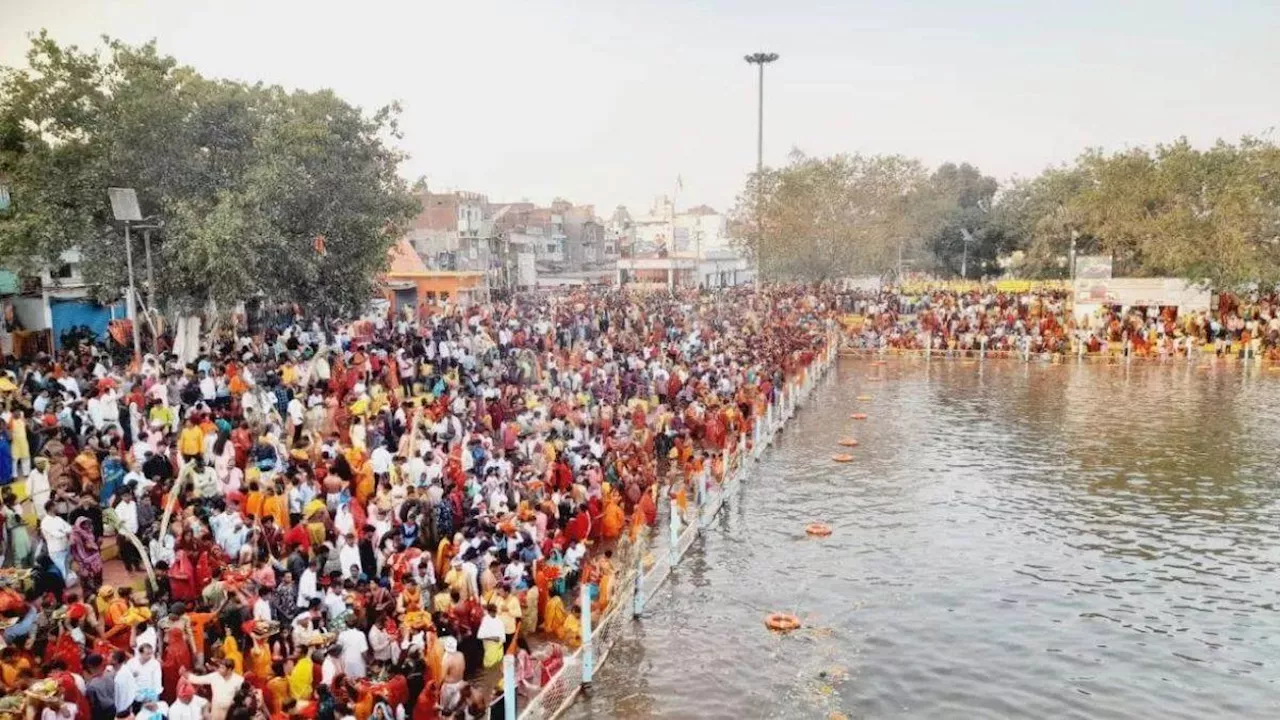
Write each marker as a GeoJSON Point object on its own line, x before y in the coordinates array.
{"type": "Point", "coordinates": [656, 272]}
{"type": "Point", "coordinates": [410, 286]}
{"type": "Point", "coordinates": [700, 234]}
{"type": "Point", "coordinates": [451, 232]}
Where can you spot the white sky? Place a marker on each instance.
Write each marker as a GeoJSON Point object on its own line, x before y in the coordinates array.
{"type": "Point", "coordinates": [606, 101]}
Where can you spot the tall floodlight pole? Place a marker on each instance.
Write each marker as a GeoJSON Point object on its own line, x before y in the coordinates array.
{"type": "Point", "coordinates": [124, 206]}
{"type": "Point", "coordinates": [760, 59]}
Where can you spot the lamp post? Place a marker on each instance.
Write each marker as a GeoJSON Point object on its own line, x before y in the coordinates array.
{"type": "Point", "coordinates": [124, 206]}
{"type": "Point", "coordinates": [761, 59]}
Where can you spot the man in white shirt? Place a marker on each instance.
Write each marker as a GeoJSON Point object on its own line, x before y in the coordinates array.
{"type": "Point", "coordinates": [145, 669]}
{"type": "Point", "coordinates": [334, 602]}
{"type": "Point", "coordinates": [188, 706]}
{"type": "Point", "coordinates": [126, 684]}
{"type": "Point", "coordinates": [57, 538]}
{"type": "Point", "coordinates": [349, 556]}
{"type": "Point", "coordinates": [308, 587]}
{"type": "Point", "coordinates": [355, 651]}
{"type": "Point", "coordinates": [223, 683]}
{"type": "Point", "coordinates": [261, 608]}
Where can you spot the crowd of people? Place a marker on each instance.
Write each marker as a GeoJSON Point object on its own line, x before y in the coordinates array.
{"type": "Point", "coordinates": [359, 521]}
{"type": "Point", "coordinates": [1042, 322]}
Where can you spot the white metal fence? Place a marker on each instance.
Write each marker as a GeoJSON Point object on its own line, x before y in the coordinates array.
{"type": "Point", "coordinates": [646, 564]}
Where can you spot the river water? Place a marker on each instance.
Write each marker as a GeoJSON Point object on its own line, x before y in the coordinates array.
{"type": "Point", "coordinates": [1011, 541]}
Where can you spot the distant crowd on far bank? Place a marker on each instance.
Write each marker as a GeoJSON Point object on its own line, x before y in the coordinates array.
{"type": "Point", "coordinates": [1043, 321]}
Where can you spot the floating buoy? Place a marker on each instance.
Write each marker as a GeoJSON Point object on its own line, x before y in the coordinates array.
{"type": "Point", "coordinates": [842, 458]}
{"type": "Point", "coordinates": [848, 442]}
{"type": "Point", "coordinates": [781, 622]}
{"type": "Point", "coordinates": [819, 529]}
{"type": "Point", "coordinates": [864, 398]}
{"type": "Point", "coordinates": [858, 416]}
{"type": "Point", "coordinates": [969, 363]}
{"type": "Point", "coordinates": [1202, 367]}
{"type": "Point", "coordinates": [879, 363]}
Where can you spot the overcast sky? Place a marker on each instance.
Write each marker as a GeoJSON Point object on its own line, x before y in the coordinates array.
{"type": "Point", "coordinates": [608, 101]}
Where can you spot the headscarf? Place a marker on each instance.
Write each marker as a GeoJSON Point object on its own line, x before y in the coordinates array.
{"type": "Point", "coordinates": [84, 547]}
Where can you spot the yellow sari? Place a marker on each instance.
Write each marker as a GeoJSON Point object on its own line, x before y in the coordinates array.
{"type": "Point", "coordinates": [300, 679]}
{"type": "Point", "coordinates": [231, 651]}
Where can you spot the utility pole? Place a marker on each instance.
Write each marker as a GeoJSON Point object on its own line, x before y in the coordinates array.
{"type": "Point", "coordinates": [761, 59]}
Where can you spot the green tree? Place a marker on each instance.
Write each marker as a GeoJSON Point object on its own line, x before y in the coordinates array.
{"type": "Point", "coordinates": [954, 218]}
{"type": "Point", "coordinates": [245, 178]}
{"type": "Point", "coordinates": [823, 218]}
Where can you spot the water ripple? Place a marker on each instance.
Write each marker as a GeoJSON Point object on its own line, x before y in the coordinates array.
{"type": "Point", "coordinates": [1011, 541]}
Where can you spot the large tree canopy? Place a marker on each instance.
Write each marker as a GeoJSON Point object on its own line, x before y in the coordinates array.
{"type": "Point", "coordinates": [1205, 215]}
{"type": "Point", "coordinates": [822, 218]}
{"type": "Point", "coordinates": [242, 178]}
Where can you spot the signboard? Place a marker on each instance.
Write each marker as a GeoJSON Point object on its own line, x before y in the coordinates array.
{"type": "Point", "coordinates": [1093, 267]}
{"type": "Point", "coordinates": [1090, 294]}
{"type": "Point", "coordinates": [526, 270]}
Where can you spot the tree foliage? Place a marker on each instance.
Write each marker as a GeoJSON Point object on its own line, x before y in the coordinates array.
{"type": "Point", "coordinates": [1173, 210]}
{"type": "Point", "coordinates": [243, 178]}
{"type": "Point", "coordinates": [823, 218]}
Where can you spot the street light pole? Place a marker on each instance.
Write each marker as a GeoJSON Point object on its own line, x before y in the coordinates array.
{"type": "Point", "coordinates": [761, 59]}
{"type": "Point", "coordinates": [133, 294]}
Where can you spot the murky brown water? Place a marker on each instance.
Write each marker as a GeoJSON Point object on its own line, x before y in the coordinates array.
{"type": "Point", "coordinates": [1011, 541]}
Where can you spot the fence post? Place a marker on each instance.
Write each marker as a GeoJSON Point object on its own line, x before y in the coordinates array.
{"type": "Point", "coordinates": [982, 353]}
{"type": "Point", "coordinates": [509, 687]}
{"type": "Point", "coordinates": [675, 533]}
{"type": "Point", "coordinates": [928, 348]}
{"type": "Point", "coordinates": [588, 648]}
{"type": "Point", "coordinates": [637, 601]}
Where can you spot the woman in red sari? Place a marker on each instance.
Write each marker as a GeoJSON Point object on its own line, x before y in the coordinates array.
{"type": "Point", "coordinates": [182, 578]}
{"type": "Point", "coordinates": [177, 657]}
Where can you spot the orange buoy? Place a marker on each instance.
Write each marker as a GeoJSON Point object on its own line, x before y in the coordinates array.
{"type": "Point", "coordinates": [781, 622]}
{"type": "Point", "coordinates": [848, 442]}
{"type": "Point", "coordinates": [818, 529]}
{"type": "Point", "coordinates": [842, 458]}
{"type": "Point", "coordinates": [858, 416]}
{"type": "Point", "coordinates": [864, 397]}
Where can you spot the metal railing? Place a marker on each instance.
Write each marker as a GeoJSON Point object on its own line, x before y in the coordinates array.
{"type": "Point", "coordinates": [649, 561]}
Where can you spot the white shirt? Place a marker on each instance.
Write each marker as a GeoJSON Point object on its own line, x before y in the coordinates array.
{"type": "Point", "coordinates": [380, 459]}
{"type": "Point", "coordinates": [146, 675]}
{"type": "Point", "coordinates": [491, 628]}
{"type": "Point", "coordinates": [354, 645]}
{"type": "Point", "coordinates": [262, 609]}
{"type": "Point", "coordinates": [349, 556]}
{"type": "Point", "coordinates": [147, 637]}
{"type": "Point", "coordinates": [307, 587]}
{"type": "Point", "coordinates": [127, 514]}
{"type": "Point", "coordinates": [223, 692]}
{"type": "Point", "coordinates": [335, 604]}
{"type": "Point", "coordinates": [126, 688]}
{"type": "Point", "coordinates": [38, 487]}
{"type": "Point", "coordinates": [187, 711]}
{"type": "Point", "coordinates": [57, 533]}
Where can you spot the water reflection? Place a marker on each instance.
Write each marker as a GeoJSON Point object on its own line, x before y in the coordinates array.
{"type": "Point", "coordinates": [1011, 541]}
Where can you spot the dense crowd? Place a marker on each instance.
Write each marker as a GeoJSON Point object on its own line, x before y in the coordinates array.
{"type": "Point", "coordinates": [359, 521]}
{"type": "Point", "coordinates": [1039, 322]}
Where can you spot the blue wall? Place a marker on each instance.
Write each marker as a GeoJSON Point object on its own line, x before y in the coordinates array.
{"type": "Point", "coordinates": [70, 313]}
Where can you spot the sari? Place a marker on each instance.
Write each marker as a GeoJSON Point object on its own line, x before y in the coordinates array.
{"type": "Point", "coordinates": [176, 658]}
{"type": "Point", "coordinates": [85, 552]}
{"type": "Point", "coordinates": [301, 678]}
{"type": "Point", "coordinates": [231, 651]}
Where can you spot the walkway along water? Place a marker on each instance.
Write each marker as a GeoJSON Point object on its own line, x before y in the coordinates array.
{"type": "Point", "coordinates": [651, 560]}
